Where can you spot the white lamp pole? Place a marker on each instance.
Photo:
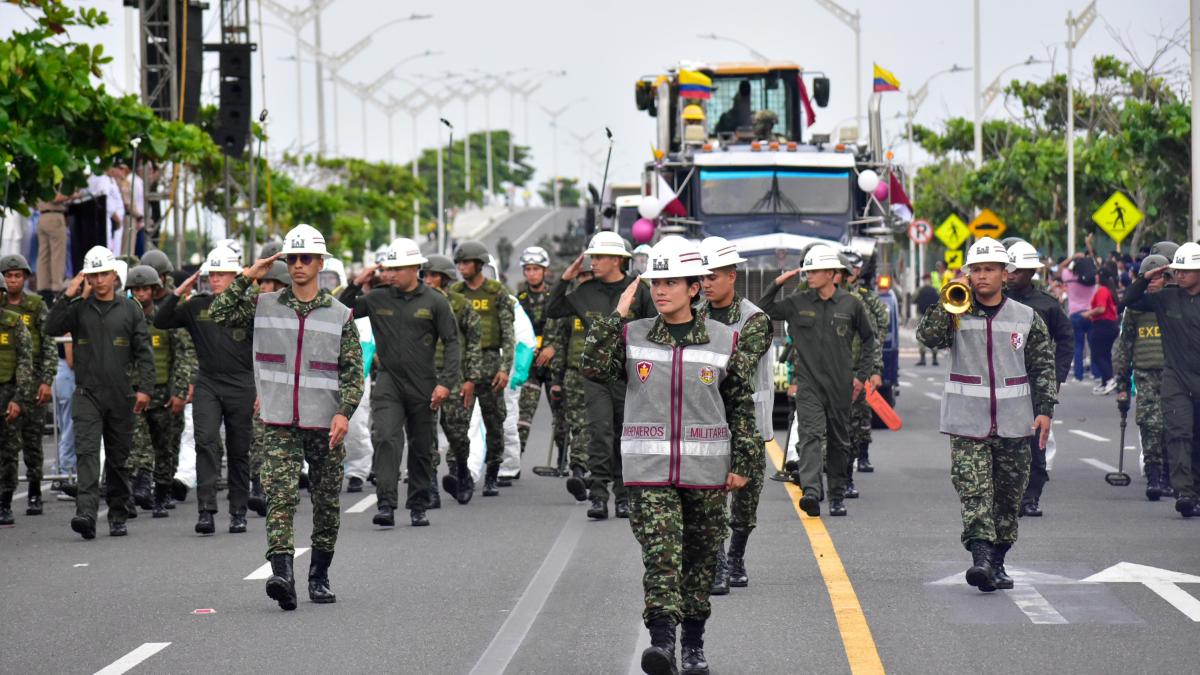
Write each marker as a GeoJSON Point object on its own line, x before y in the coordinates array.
{"type": "Point", "coordinates": [854, 22]}
{"type": "Point", "coordinates": [1076, 27]}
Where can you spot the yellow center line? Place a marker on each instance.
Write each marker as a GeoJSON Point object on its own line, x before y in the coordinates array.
{"type": "Point", "coordinates": [852, 623]}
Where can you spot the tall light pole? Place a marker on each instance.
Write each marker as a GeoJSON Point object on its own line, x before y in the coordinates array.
{"type": "Point", "coordinates": [993, 90]}
{"type": "Point", "coordinates": [297, 19]}
{"type": "Point", "coordinates": [978, 97]}
{"type": "Point", "coordinates": [367, 93]}
{"type": "Point", "coordinates": [758, 56]}
{"type": "Point", "coordinates": [854, 22]}
{"type": "Point", "coordinates": [441, 221]}
{"type": "Point", "coordinates": [554, 115]}
{"type": "Point", "coordinates": [1076, 27]}
{"type": "Point", "coordinates": [524, 90]}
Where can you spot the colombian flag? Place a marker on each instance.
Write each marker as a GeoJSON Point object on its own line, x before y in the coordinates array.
{"type": "Point", "coordinates": [694, 84]}
{"type": "Point", "coordinates": [885, 80]}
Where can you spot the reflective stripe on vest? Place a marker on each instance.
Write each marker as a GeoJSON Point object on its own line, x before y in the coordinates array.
{"type": "Point", "coordinates": [987, 390]}
{"type": "Point", "coordinates": [675, 431]}
{"type": "Point", "coordinates": [764, 377]}
{"type": "Point", "coordinates": [1147, 342]}
{"type": "Point", "coordinates": [160, 344]}
{"type": "Point", "coordinates": [296, 362]}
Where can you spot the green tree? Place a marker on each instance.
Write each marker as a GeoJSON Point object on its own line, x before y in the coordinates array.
{"type": "Point", "coordinates": [568, 191]}
{"type": "Point", "coordinates": [454, 168]}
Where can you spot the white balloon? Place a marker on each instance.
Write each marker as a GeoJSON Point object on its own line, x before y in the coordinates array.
{"type": "Point", "coordinates": [867, 180]}
{"type": "Point", "coordinates": [649, 207]}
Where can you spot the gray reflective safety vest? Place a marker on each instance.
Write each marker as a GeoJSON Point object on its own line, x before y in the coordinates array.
{"type": "Point", "coordinates": [675, 432]}
{"type": "Point", "coordinates": [296, 362]}
{"type": "Point", "coordinates": [764, 376]}
{"type": "Point", "coordinates": [987, 390]}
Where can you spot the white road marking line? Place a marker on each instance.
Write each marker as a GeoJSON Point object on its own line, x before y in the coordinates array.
{"type": "Point", "coordinates": [363, 504]}
{"type": "Point", "coordinates": [1034, 605]}
{"type": "Point", "coordinates": [1058, 421]}
{"type": "Point", "coordinates": [264, 572]}
{"type": "Point", "coordinates": [906, 384]}
{"type": "Point", "coordinates": [1104, 466]}
{"type": "Point", "coordinates": [643, 641]}
{"type": "Point", "coordinates": [930, 379]}
{"type": "Point", "coordinates": [508, 639]}
{"type": "Point", "coordinates": [133, 658]}
{"type": "Point", "coordinates": [19, 496]}
{"type": "Point", "coordinates": [533, 228]}
{"type": "Point", "coordinates": [936, 397]}
{"type": "Point", "coordinates": [1089, 435]}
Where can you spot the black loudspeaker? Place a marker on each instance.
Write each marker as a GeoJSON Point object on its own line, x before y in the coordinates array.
{"type": "Point", "coordinates": [192, 76]}
{"type": "Point", "coordinates": [189, 61]}
{"type": "Point", "coordinates": [232, 129]}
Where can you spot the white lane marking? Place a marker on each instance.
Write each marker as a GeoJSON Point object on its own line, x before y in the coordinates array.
{"type": "Point", "coordinates": [1089, 435]}
{"type": "Point", "coordinates": [133, 658]}
{"type": "Point", "coordinates": [19, 496]}
{"type": "Point", "coordinates": [1058, 421]}
{"type": "Point", "coordinates": [1103, 466]}
{"type": "Point", "coordinates": [906, 384]}
{"type": "Point", "coordinates": [533, 228]}
{"type": "Point", "coordinates": [363, 504]}
{"type": "Point", "coordinates": [936, 397]}
{"type": "Point", "coordinates": [930, 379]}
{"type": "Point", "coordinates": [909, 373]}
{"type": "Point", "coordinates": [1034, 605]}
{"type": "Point", "coordinates": [264, 572]}
{"type": "Point", "coordinates": [508, 639]}
{"type": "Point", "coordinates": [643, 642]}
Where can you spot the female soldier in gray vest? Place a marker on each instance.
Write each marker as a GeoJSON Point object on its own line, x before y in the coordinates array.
{"type": "Point", "coordinates": [688, 435]}
{"type": "Point", "coordinates": [1000, 390]}
{"type": "Point", "coordinates": [308, 375]}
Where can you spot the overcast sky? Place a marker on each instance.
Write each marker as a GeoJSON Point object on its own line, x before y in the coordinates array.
{"type": "Point", "coordinates": [605, 46]}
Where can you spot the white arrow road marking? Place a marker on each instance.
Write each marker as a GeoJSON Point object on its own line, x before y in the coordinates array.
{"type": "Point", "coordinates": [1032, 603]}
{"type": "Point", "coordinates": [1103, 466]}
{"type": "Point", "coordinates": [363, 504]}
{"type": "Point", "coordinates": [1161, 582]}
{"type": "Point", "coordinates": [1089, 435]}
{"type": "Point", "coordinates": [264, 572]}
{"type": "Point", "coordinates": [133, 658]}
{"type": "Point", "coordinates": [936, 397]}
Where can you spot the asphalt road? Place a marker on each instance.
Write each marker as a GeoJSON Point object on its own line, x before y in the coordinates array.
{"type": "Point", "coordinates": [522, 228]}
{"type": "Point", "coordinates": [524, 583]}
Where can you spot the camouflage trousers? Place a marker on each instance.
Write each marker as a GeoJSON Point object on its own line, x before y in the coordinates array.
{"type": "Point", "coordinates": [256, 446]}
{"type": "Point", "coordinates": [156, 437]}
{"type": "Point", "coordinates": [284, 451]}
{"type": "Point", "coordinates": [10, 445]}
{"type": "Point", "coordinates": [456, 423]}
{"type": "Point", "coordinates": [990, 476]}
{"type": "Point", "coordinates": [860, 425]}
{"type": "Point", "coordinates": [743, 504]}
{"type": "Point", "coordinates": [531, 396]}
{"type": "Point", "coordinates": [492, 408]}
{"type": "Point", "coordinates": [575, 417]}
{"type": "Point", "coordinates": [680, 532]}
{"type": "Point", "coordinates": [33, 426]}
{"type": "Point", "coordinates": [1149, 415]}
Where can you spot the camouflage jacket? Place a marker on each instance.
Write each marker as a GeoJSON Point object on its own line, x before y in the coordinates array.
{"type": "Point", "coordinates": [236, 307]}
{"type": "Point", "coordinates": [26, 387]}
{"type": "Point", "coordinates": [938, 327]}
{"type": "Point", "coordinates": [183, 358]}
{"type": "Point", "coordinates": [45, 360]}
{"type": "Point", "coordinates": [468, 333]}
{"type": "Point", "coordinates": [880, 318]}
{"type": "Point", "coordinates": [547, 329]}
{"type": "Point", "coordinates": [755, 337]}
{"type": "Point", "coordinates": [604, 361]}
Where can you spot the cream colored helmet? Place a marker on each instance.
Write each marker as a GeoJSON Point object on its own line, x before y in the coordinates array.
{"type": "Point", "coordinates": [822, 257]}
{"type": "Point", "coordinates": [99, 259]}
{"type": "Point", "coordinates": [1023, 256]}
{"type": "Point", "coordinates": [222, 259]}
{"type": "Point", "coordinates": [719, 252]}
{"type": "Point", "coordinates": [607, 243]}
{"type": "Point", "coordinates": [986, 250]}
{"type": "Point", "coordinates": [304, 239]}
{"type": "Point", "coordinates": [674, 257]}
{"type": "Point", "coordinates": [403, 252]}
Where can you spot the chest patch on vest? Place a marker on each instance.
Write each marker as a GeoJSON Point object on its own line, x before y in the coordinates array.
{"type": "Point", "coordinates": [708, 375]}
{"type": "Point", "coordinates": [203, 315]}
{"type": "Point", "coordinates": [481, 305]}
{"type": "Point", "coordinates": [4, 338]}
{"type": "Point", "coordinates": [239, 334]}
{"type": "Point", "coordinates": [25, 318]}
{"type": "Point", "coordinates": [120, 342]}
{"type": "Point", "coordinates": [156, 341]}
{"type": "Point", "coordinates": [1018, 341]}
{"type": "Point", "coordinates": [643, 370]}
{"type": "Point", "coordinates": [577, 326]}
{"type": "Point", "coordinates": [423, 313]}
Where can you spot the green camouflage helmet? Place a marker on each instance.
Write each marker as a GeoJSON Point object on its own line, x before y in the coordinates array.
{"type": "Point", "coordinates": [159, 261]}
{"type": "Point", "coordinates": [278, 272]}
{"type": "Point", "coordinates": [1153, 262]}
{"type": "Point", "coordinates": [471, 250]}
{"type": "Point", "coordinates": [142, 275]}
{"type": "Point", "coordinates": [14, 261]}
{"type": "Point", "coordinates": [442, 265]}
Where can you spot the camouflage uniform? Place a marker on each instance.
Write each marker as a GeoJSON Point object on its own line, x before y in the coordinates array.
{"type": "Point", "coordinates": [575, 405]}
{"type": "Point", "coordinates": [285, 448]}
{"type": "Point", "coordinates": [456, 419]}
{"type": "Point", "coordinates": [155, 431]}
{"type": "Point", "coordinates": [32, 422]}
{"type": "Point", "coordinates": [860, 412]}
{"type": "Point", "coordinates": [680, 530]}
{"type": "Point", "coordinates": [539, 378]}
{"type": "Point", "coordinates": [16, 348]}
{"type": "Point", "coordinates": [494, 306]}
{"type": "Point", "coordinates": [990, 474]}
{"type": "Point", "coordinates": [1145, 366]}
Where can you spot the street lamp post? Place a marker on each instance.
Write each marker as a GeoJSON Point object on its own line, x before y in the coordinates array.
{"type": "Point", "coordinates": [296, 20]}
{"type": "Point", "coordinates": [978, 98]}
{"type": "Point", "coordinates": [723, 38]}
{"type": "Point", "coordinates": [854, 22]}
{"type": "Point", "coordinates": [1076, 27]}
{"type": "Point", "coordinates": [554, 115]}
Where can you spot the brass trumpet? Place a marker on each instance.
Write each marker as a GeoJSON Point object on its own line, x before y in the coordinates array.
{"type": "Point", "coordinates": [956, 297]}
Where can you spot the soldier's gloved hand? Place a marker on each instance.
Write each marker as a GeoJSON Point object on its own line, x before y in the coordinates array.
{"type": "Point", "coordinates": [141, 402]}
{"type": "Point", "coordinates": [176, 405]}
{"type": "Point", "coordinates": [13, 412]}
{"type": "Point", "coordinates": [440, 394]}
{"type": "Point", "coordinates": [1123, 402]}
{"type": "Point", "coordinates": [43, 395]}
{"type": "Point", "coordinates": [338, 427]}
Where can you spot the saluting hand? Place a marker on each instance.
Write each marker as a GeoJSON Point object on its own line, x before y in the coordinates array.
{"type": "Point", "coordinates": [14, 411]}
{"type": "Point", "coordinates": [260, 268]}
{"type": "Point", "coordinates": [628, 295]}
{"type": "Point", "coordinates": [366, 277]}
{"type": "Point", "coordinates": [782, 278]}
{"type": "Point", "coordinates": [141, 402]}
{"type": "Point", "coordinates": [440, 394]}
{"type": "Point", "coordinates": [187, 285]}
{"type": "Point", "coordinates": [75, 285]}
{"type": "Point", "coordinates": [573, 269]}
{"type": "Point", "coordinates": [338, 427]}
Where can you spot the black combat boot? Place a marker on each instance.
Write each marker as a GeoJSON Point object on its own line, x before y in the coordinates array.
{"type": "Point", "coordinates": [435, 497]}
{"type": "Point", "coordinates": [131, 510]}
{"type": "Point", "coordinates": [504, 481]}
{"type": "Point", "coordinates": [621, 508]}
{"type": "Point", "coordinates": [935, 359]}
{"type": "Point", "coordinates": [6, 514]}
{"type": "Point", "coordinates": [598, 509]}
{"type": "Point", "coordinates": [1031, 509]}
{"type": "Point", "coordinates": [1000, 578]}
{"type": "Point", "coordinates": [691, 648]}
{"type": "Point", "coordinates": [1153, 482]}
{"type": "Point", "coordinates": [33, 503]}
{"type": "Point", "coordinates": [1186, 506]}
{"type": "Point", "coordinates": [980, 573]}
{"type": "Point", "coordinates": [386, 517]}
{"type": "Point", "coordinates": [304, 482]}
{"type": "Point", "coordinates": [851, 491]}
{"type": "Point", "coordinates": [318, 577]}
{"type": "Point", "coordinates": [281, 587]}
{"type": "Point", "coordinates": [837, 507]}
{"type": "Point", "coordinates": [160, 501]}
{"type": "Point", "coordinates": [465, 484]}
{"type": "Point", "coordinates": [720, 584]}
{"type": "Point", "coordinates": [85, 526]}
{"type": "Point", "coordinates": [735, 559]}
{"type": "Point", "coordinates": [576, 484]}
{"type": "Point", "coordinates": [143, 485]}
{"type": "Point", "coordinates": [490, 487]}
{"type": "Point", "coordinates": [179, 490]}
{"type": "Point", "coordinates": [418, 518]}
{"type": "Point", "coordinates": [205, 524]}
{"type": "Point", "coordinates": [117, 529]}
{"type": "Point", "coordinates": [450, 480]}
{"type": "Point", "coordinates": [810, 503]}
{"type": "Point", "coordinates": [355, 484]}
{"type": "Point", "coordinates": [237, 521]}
{"type": "Point", "coordinates": [257, 502]}
{"type": "Point", "coordinates": [864, 458]}
{"type": "Point", "coordinates": [659, 657]}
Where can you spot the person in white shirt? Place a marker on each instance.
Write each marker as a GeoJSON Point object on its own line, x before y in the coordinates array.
{"type": "Point", "coordinates": [106, 185]}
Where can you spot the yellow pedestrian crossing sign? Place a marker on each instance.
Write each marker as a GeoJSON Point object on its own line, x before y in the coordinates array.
{"type": "Point", "coordinates": [1118, 216]}
{"type": "Point", "coordinates": [953, 232]}
{"type": "Point", "coordinates": [954, 259]}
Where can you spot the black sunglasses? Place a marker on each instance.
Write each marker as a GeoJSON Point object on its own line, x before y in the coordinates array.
{"type": "Point", "coordinates": [302, 258]}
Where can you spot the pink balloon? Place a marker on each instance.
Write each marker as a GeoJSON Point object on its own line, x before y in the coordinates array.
{"type": "Point", "coordinates": [881, 191]}
{"type": "Point", "coordinates": [643, 230]}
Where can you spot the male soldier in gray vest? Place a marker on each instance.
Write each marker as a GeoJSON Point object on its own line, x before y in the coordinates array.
{"type": "Point", "coordinates": [1000, 390]}
{"type": "Point", "coordinates": [407, 320]}
{"type": "Point", "coordinates": [755, 340]}
{"type": "Point", "coordinates": [493, 304]}
{"type": "Point", "coordinates": [308, 376]}
{"type": "Point", "coordinates": [32, 422]}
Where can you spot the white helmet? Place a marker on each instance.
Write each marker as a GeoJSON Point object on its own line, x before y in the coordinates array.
{"type": "Point", "coordinates": [304, 239]}
{"type": "Point", "coordinates": [122, 269]}
{"type": "Point", "coordinates": [1187, 257]}
{"type": "Point", "coordinates": [535, 255]}
{"type": "Point", "coordinates": [221, 259]}
{"type": "Point", "coordinates": [643, 249]}
{"type": "Point", "coordinates": [822, 257]}
{"type": "Point", "coordinates": [99, 259]}
{"type": "Point", "coordinates": [986, 250]}
{"type": "Point", "coordinates": [231, 244]}
{"type": "Point", "coordinates": [403, 252]}
{"type": "Point", "coordinates": [607, 243]}
{"type": "Point", "coordinates": [333, 268]}
{"type": "Point", "coordinates": [381, 254]}
{"type": "Point", "coordinates": [673, 257]}
{"type": "Point", "coordinates": [1023, 256]}
{"type": "Point", "coordinates": [718, 252]}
